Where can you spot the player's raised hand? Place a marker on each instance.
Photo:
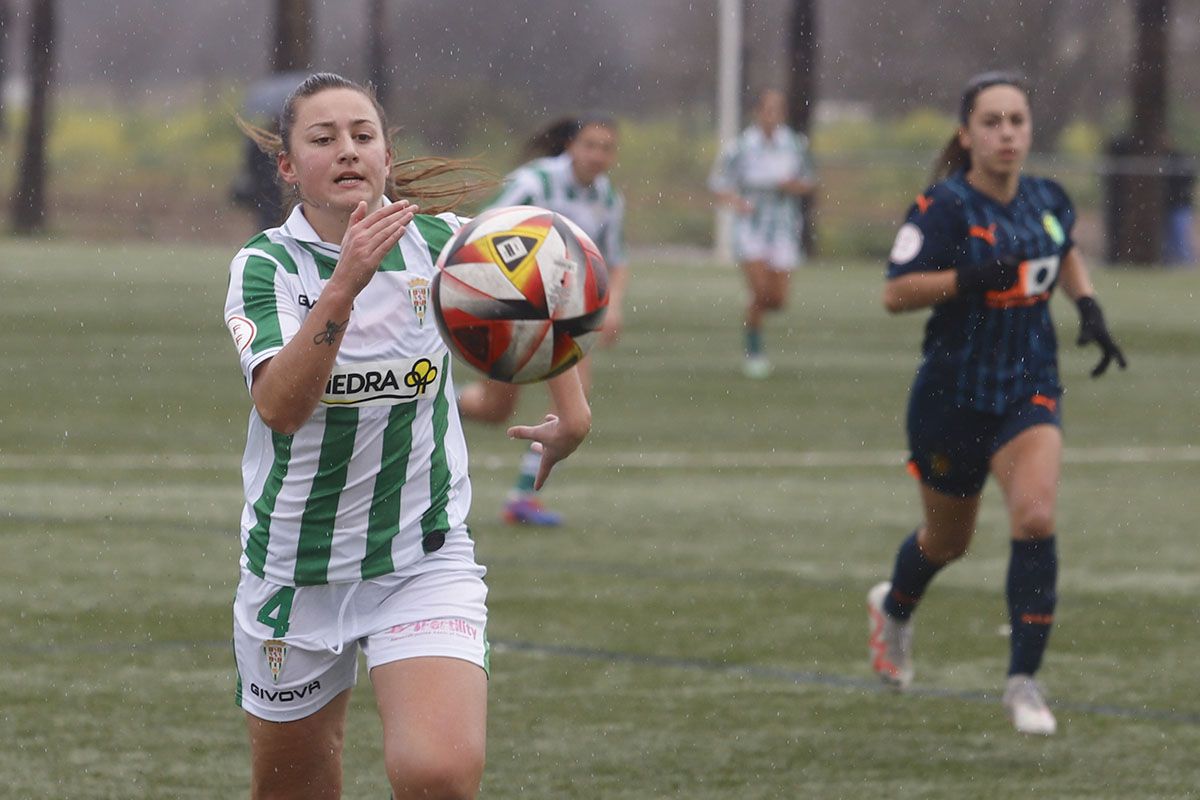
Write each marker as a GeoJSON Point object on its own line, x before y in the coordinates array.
{"type": "Point", "coordinates": [368, 239]}
{"type": "Point", "coordinates": [996, 275]}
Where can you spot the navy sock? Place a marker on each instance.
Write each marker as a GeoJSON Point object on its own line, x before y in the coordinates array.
{"type": "Point", "coordinates": [1032, 595]}
{"type": "Point", "coordinates": [911, 575]}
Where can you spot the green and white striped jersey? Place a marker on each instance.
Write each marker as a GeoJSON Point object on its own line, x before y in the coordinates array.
{"type": "Point", "coordinates": [378, 475]}
{"type": "Point", "coordinates": [754, 166]}
{"type": "Point", "coordinates": [550, 183]}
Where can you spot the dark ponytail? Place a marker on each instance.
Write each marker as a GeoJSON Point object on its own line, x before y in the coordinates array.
{"type": "Point", "coordinates": [954, 158]}
{"type": "Point", "coordinates": [553, 138]}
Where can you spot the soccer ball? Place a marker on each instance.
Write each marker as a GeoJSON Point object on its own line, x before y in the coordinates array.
{"type": "Point", "coordinates": [520, 293]}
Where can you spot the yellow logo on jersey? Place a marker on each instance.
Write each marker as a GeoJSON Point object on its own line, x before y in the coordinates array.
{"type": "Point", "coordinates": [380, 383]}
{"type": "Point", "coordinates": [1054, 228]}
{"type": "Point", "coordinates": [421, 375]}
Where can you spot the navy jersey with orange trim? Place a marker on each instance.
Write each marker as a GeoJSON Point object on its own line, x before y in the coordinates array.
{"type": "Point", "coordinates": [995, 349]}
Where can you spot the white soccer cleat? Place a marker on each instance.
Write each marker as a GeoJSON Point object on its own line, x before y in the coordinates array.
{"type": "Point", "coordinates": [756, 367]}
{"type": "Point", "coordinates": [890, 642]}
{"type": "Point", "coordinates": [1026, 704]}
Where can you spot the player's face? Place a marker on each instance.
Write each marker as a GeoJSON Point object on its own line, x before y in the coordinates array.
{"type": "Point", "coordinates": [593, 152]}
{"type": "Point", "coordinates": [999, 131]}
{"type": "Point", "coordinates": [771, 110]}
{"type": "Point", "coordinates": [338, 154]}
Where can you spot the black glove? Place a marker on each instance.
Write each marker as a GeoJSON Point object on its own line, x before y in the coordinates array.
{"type": "Point", "coordinates": [1093, 329]}
{"type": "Point", "coordinates": [996, 275]}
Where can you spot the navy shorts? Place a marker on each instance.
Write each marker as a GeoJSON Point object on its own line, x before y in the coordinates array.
{"type": "Point", "coordinates": [951, 446]}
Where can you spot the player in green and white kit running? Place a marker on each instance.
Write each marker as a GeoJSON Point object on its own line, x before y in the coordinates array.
{"type": "Point", "coordinates": [354, 527]}
{"type": "Point", "coordinates": [570, 178]}
{"type": "Point", "coordinates": [762, 176]}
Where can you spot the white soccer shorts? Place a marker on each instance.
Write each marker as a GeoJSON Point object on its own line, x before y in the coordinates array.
{"type": "Point", "coordinates": [297, 647]}
{"type": "Point", "coordinates": [780, 252]}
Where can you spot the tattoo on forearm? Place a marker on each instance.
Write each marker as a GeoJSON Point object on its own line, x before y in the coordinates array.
{"type": "Point", "coordinates": [329, 335]}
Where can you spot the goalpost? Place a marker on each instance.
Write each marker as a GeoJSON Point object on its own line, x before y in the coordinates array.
{"type": "Point", "coordinates": [729, 90]}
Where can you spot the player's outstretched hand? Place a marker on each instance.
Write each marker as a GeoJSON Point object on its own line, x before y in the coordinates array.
{"type": "Point", "coordinates": [368, 239]}
{"type": "Point", "coordinates": [553, 438]}
{"type": "Point", "coordinates": [997, 275]}
{"type": "Point", "coordinates": [1092, 328]}
{"type": "Point", "coordinates": [560, 433]}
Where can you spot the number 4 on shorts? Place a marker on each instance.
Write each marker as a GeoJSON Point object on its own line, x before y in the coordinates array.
{"type": "Point", "coordinates": [275, 612]}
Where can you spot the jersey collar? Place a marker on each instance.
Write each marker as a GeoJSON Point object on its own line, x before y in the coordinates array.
{"type": "Point", "coordinates": [759, 137]}
{"type": "Point", "coordinates": [298, 228]}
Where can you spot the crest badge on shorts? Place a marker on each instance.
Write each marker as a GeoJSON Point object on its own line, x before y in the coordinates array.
{"type": "Point", "coordinates": [276, 652]}
{"type": "Point", "coordinates": [418, 293]}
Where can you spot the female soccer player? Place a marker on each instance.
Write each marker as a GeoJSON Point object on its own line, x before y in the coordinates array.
{"type": "Point", "coordinates": [761, 176]}
{"type": "Point", "coordinates": [984, 248]}
{"type": "Point", "coordinates": [568, 175]}
{"type": "Point", "coordinates": [354, 526]}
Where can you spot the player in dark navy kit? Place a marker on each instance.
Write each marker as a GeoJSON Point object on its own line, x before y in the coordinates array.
{"type": "Point", "coordinates": [984, 248]}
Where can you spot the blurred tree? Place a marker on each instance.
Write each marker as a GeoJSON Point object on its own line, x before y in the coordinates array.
{"type": "Point", "coordinates": [1148, 76]}
{"type": "Point", "coordinates": [906, 54]}
{"type": "Point", "coordinates": [513, 64]}
{"type": "Point", "coordinates": [802, 97]}
{"type": "Point", "coordinates": [29, 199]}
{"type": "Point", "coordinates": [656, 57]}
{"type": "Point", "coordinates": [5, 27]}
{"type": "Point", "coordinates": [293, 36]}
{"type": "Point", "coordinates": [1136, 197]}
{"type": "Point", "coordinates": [802, 59]}
{"type": "Point", "coordinates": [377, 50]}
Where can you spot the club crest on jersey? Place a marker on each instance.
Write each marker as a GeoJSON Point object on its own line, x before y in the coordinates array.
{"type": "Point", "coordinates": [242, 330]}
{"type": "Point", "coordinates": [1054, 228]}
{"type": "Point", "coordinates": [908, 244]}
{"type": "Point", "coordinates": [418, 294]}
{"type": "Point", "coordinates": [276, 652]}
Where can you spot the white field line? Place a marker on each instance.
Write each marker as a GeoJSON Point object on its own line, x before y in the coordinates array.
{"type": "Point", "coordinates": [774, 459]}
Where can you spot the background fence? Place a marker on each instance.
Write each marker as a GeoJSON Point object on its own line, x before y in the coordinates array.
{"type": "Point", "coordinates": [164, 173]}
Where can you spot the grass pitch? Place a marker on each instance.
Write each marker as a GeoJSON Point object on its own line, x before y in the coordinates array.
{"type": "Point", "coordinates": [697, 630]}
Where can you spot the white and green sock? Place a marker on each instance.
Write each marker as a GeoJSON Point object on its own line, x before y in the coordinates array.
{"type": "Point", "coordinates": [754, 342]}
{"type": "Point", "coordinates": [530, 462]}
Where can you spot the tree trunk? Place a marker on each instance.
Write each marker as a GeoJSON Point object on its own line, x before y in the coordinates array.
{"type": "Point", "coordinates": [377, 49]}
{"type": "Point", "coordinates": [29, 200]}
{"type": "Point", "coordinates": [5, 28]}
{"type": "Point", "coordinates": [1137, 188]}
{"type": "Point", "coordinates": [802, 61]}
{"type": "Point", "coordinates": [293, 36]}
{"type": "Point", "coordinates": [802, 94]}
